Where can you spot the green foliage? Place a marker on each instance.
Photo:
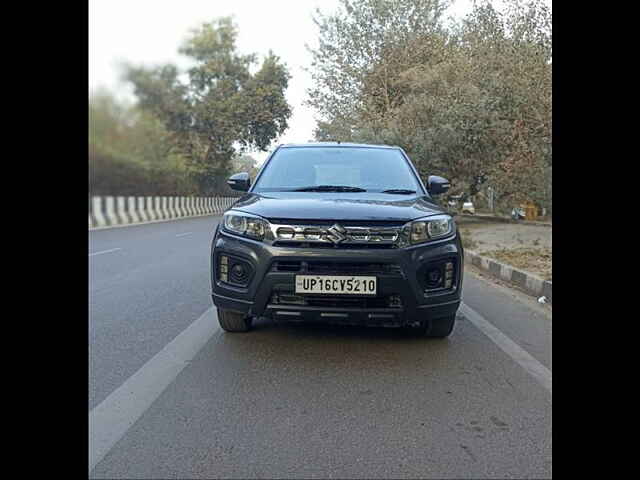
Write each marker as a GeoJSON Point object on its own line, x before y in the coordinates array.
{"type": "Point", "coordinates": [362, 49]}
{"type": "Point", "coordinates": [470, 101]}
{"type": "Point", "coordinates": [221, 107]}
{"type": "Point", "coordinates": [130, 152]}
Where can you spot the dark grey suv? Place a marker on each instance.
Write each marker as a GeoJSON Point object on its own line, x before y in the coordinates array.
{"type": "Point", "coordinates": [339, 233]}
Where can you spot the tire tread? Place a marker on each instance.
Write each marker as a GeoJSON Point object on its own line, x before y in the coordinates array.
{"type": "Point", "coordinates": [233, 321]}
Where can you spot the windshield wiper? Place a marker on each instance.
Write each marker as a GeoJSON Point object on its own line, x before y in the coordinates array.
{"type": "Point", "coordinates": [401, 191]}
{"type": "Point", "coordinates": [329, 188]}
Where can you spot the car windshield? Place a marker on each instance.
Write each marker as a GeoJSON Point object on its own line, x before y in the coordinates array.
{"type": "Point", "coordinates": [350, 169]}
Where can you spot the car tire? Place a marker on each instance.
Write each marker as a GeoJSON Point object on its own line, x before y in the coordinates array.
{"type": "Point", "coordinates": [438, 327]}
{"type": "Point", "coordinates": [231, 321]}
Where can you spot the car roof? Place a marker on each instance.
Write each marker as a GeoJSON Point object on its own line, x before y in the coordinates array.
{"type": "Point", "coordinates": [335, 144]}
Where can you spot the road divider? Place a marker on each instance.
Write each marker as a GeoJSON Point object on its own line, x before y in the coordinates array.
{"type": "Point", "coordinates": [483, 217]}
{"type": "Point", "coordinates": [526, 281]}
{"type": "Point", "coordinates": [114, 211]}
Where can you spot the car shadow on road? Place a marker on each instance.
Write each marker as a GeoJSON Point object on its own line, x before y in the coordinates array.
{"type": "Point", "coordinates": [319, 330]}
{"type": "Point", "coordinates": [321, 348]}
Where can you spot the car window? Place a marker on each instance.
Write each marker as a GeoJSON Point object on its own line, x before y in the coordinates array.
{"type": "Point", "coordinates": [373, 169]}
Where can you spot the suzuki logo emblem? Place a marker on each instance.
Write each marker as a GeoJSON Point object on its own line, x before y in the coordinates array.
{"type": "Point", "coordinates": [337, 233]}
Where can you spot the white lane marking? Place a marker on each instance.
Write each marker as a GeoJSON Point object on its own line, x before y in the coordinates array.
{"type": "Point", "coordinates": [111, 419]}
{"type": "Point", "coordinates": [104, 251]}
{"type": "Point", "coordinates": [183, 234]}
{"type": "Point", "coordinates": [541, 373]}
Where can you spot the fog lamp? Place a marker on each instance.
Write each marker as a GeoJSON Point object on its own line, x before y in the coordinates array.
{"type": "Point", "coordinates": [434, 277]}
{"type": "Point", "coordinates": [224, 266]}
{"type": "Point", "coordinates": [238, 273]}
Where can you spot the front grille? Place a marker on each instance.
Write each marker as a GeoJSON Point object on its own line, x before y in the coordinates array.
{"type": "Point", "coordinates": [342, 302]}
{"type": "Point", "coordinates": [285, 266]}
{"type": "Point", "coordinates": [337, 301]}
{"type": "Point", "coordinates": [336, 268]}
{"type": "Point", "coordinates": [342, 246]}
{"type": "Point", "coordinates": [353, 268]}
{"type": "Point", "coordinates": [330, 234]}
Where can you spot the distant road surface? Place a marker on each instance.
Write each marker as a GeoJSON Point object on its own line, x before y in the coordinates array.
{"type": "Point", "coordinates": [173, 396]}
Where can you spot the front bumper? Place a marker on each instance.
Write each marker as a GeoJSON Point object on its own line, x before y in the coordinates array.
{"type": "Point", "coordinates": [261, 296]}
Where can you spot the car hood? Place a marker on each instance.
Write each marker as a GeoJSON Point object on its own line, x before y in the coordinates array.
{"type": "Point", "coordinates": [337, 206]}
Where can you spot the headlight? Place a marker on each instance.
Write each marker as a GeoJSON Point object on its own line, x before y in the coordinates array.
{"type": "Point", "coordinates": [431, 228]}
{"type": "Point", "coordinates": [244, 224]}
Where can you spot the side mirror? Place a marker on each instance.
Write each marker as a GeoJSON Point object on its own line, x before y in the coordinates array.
{"type": "Point", "coordinates": [239, 181]}
{"type": "Point", "coordinates": [437, 185]}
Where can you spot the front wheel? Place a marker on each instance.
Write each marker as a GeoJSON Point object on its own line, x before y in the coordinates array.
{"type": "Point", "coordinates": [438, 327]}
{"type": "Point", "coordinates": [233, 321]}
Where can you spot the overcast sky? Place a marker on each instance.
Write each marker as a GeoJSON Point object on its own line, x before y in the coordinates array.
{"type": "Point", "coordinates": [150, 31]}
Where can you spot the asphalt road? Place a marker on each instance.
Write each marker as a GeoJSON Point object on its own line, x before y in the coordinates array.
{"type": "Point", "coordinates": [172, 396]}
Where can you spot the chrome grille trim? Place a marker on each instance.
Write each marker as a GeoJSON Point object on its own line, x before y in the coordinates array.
{"type": "Point", "coordinates": [353, 235]}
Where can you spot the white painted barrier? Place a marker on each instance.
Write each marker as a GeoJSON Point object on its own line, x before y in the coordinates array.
{"type": "Point", "coordinates": [96, 215]}
{"type": "Point", "coordinates": [165, 208]}
{"type": "Point", "coordinates": [179, 207]}
{"type": "Point", "coordinates": [131, 210]}
{"type": "Point", "coordinates": [156, 208]}
{"type": "Point", "coordinates": [121, 212]}
{"type": "Point", "coordinates": [170, 209]}
{"type": "Point", "coordinates": [142, 211]}
{"type": "Point", "coordinates": [110, 211]}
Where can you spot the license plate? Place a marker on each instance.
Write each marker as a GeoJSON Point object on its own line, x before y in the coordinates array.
{"type": "Point", "coordinates": [341, 285]}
